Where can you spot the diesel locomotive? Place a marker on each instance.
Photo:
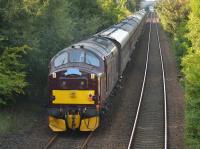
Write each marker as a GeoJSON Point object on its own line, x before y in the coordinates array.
{"type": "Point", "coordinates": [82, 76]}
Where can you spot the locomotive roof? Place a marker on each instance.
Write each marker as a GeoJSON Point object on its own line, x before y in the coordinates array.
{"type": "Point", "coordinates": [98, 45]}
{"type": "Point", "coordinates": [122, 31]}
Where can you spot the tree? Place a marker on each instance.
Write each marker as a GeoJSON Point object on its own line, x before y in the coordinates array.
{"type": "Point", "coordinates": [172, 13]}
{"type": "Point", "coordinates": [12, 75]}
{"type": "Point", "coordinates": [191, 70]}
{"type": "Point", "coordinates": [12, 51]}
{"type": "Point", "coordinates": [174, 17]}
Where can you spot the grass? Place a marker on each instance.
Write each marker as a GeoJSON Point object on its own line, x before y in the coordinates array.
{"type": "Point", "coordinates": [192, 143]}
{"type": "Point", "coordinates": [5, 122]}
{"type": "Point", "coordinates": [192, 129]}
{"type": "Point", "coordinates": [20, 117]}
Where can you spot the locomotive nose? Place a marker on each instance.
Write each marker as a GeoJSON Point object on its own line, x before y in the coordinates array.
{"type": "Point", "coordinates": [74, 86]}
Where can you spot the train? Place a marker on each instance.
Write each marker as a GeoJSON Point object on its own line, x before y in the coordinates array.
{"type": "Point", "coordinates": [82, 76]}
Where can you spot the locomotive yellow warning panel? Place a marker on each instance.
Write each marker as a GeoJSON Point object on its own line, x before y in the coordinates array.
{"type": "Point", "coordinates": [57, 125]}
{"type": "Point", "coordinates": [74, 122]}
{"type": "Point", "coordinates": [73, 96]}
{"type": "Point", "coordinates": [89, 124]}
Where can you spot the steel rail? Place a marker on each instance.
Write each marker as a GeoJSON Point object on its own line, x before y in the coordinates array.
{"type": "Point", "coordinates": [164, 88]}
{"type": "Point", "coordinates": [50, 142]}
{"type": "Point", "coordinates": [83, 146]}
{"type": "Point", "coordinates": [53, 138]}
{"type": "Point", "coordinates": [142, 90]}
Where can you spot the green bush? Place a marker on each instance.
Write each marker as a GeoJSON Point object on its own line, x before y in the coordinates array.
{"type": "Point", "coordinates": [12, 74]}
{"type": "Point", "coordinates": [191, 69]}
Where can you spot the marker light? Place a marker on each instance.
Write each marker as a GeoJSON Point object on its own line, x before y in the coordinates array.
{"type": "Point", "coordinates": [54, 75]}
{"type": "Point", "coordinates": [92, 76]}
{"type": "Point", "coordinates": [90, 96]}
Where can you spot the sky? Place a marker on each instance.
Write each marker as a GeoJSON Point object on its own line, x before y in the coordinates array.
{"type": "Point", "coordinates": [146, 2]}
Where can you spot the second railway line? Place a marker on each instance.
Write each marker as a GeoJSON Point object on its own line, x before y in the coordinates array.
{"type": "Point", "coordinates": [150, 125]}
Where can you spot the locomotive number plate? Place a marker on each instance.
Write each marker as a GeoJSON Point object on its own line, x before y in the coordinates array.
{"type": "Point", "coordinates": [73, 94]}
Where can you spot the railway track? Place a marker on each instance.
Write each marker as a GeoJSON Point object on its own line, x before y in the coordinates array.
{"type": "Point", "coordinates": [53, 139]}
{"type": "Point", "coordinates": [150, 125]}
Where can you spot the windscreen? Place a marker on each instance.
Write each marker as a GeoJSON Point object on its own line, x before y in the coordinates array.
{"type": "Point", "coordinates": [77, 56]}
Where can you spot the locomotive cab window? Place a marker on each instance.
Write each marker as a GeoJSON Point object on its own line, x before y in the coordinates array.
{"type": "Point", "coordinates": [61, 59]}
{"type": "Point", "coordinates": [77, 56]}
{"type": "Point", "coordinates": [91, 59]}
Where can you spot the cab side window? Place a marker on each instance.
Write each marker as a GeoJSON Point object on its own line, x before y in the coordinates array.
{"type": "Point", "coordinates": [61, 59]}
{"type": "Point", "coordinates": [91, 59]}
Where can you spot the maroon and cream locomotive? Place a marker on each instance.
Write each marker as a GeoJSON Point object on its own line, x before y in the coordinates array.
{"type": "Point", "coordinates": [82, 76]}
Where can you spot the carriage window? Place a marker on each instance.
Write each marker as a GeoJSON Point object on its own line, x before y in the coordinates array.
{"type": "Point", "coordinates": [77, 56]}
{"type": "Point", "coordinates": [91, 59]}
{"type": "Point", "coordinates": [61, 59]}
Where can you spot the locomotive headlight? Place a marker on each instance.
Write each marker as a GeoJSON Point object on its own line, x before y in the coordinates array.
{"type": "Point", "coordinates": [92, 76]}
{"type": "Point", "coordinates": [63, 83]}
{"type": "Point", "coordinates": [54, 75]}
{"type": "Point", "coordinates": [82, 83]}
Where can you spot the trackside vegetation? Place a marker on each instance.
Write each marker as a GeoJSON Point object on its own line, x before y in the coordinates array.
{"type": "Point", "coordinates": [181, 19]}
